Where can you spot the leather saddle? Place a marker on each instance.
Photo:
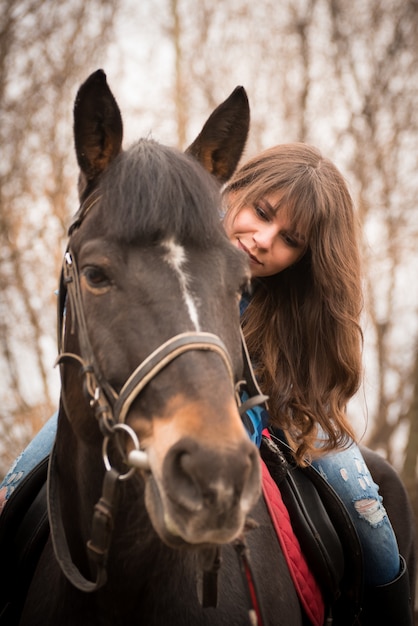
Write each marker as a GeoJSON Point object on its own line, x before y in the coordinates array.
{"type": "Point", "coordinates": [324, 529]}
{"type": "Point", "coordinates": [24, 529]}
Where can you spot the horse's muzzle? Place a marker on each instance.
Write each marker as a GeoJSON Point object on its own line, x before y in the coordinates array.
{"type": "Point", "coordinates": [204, 494]}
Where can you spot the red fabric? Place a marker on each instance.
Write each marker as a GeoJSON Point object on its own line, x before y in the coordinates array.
{"type": "Point", "coordinates": [253, 593]}
{"type": "Point", "coordinates": [306, 586]}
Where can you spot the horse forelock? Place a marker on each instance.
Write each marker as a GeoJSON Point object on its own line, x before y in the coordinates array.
{"type": "Point", "coordinates": [152, 192]}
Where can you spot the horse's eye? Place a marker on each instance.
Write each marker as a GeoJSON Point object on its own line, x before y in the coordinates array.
{"type": "Point", "coordinates": [96, 277]}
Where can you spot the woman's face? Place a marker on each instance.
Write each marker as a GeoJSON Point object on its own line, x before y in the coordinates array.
{"type": "Point", "coordinates": [265, 235]}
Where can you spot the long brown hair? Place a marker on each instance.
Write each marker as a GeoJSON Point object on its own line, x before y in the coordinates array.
{"type": "Point", "coordinates": [302, 325]}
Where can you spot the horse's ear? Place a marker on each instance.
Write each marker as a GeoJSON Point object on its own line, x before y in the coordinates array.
{"type": "Point", "coordinates": [98, 126]}
{"type": "Point", "coordinates": [220, 144]}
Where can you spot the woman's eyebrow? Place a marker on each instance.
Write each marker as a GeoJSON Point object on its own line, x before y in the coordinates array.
{"type": "Point", "coordinates": [269, 207]}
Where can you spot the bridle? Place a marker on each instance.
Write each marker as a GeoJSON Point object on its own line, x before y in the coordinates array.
{"type": "Point", "coordinates": [111, 408]}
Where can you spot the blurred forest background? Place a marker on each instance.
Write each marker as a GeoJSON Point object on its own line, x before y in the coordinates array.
{"type": "Point", "coordinates": [340, 74]}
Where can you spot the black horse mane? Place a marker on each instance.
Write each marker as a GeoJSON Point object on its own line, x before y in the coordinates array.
{"type": "Point", "coordinates": [151, 192]}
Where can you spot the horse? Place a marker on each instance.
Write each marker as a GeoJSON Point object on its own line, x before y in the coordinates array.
{"type": "Point", "coordinates": [155, 503]}
{"type": "Point", "coordinates": [149, 433]}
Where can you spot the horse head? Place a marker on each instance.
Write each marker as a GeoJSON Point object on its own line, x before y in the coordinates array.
{"type": "Point", "coordinates": [149, 320]}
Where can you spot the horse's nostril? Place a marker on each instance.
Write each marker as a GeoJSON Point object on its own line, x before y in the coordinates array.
{"type": "Point", "coordinates": [186, 463]}
{"type": "Point", "coordinates": [180, 478]}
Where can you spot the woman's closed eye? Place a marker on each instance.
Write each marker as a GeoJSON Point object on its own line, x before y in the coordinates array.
{"type": "Point", "coordinates": [291, 240]}
{"type": "Point", "coordinates": [294, 240]}
{"type": "Point", "coordinates": [262, 212]}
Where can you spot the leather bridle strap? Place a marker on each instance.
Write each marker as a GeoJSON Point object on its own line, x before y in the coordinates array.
{"type": "Point", "coordinates": [70, 284]}
{"type": "Point", "coordinates": [161, 357]}
{"type": "Point", "coordinates": [102, 529]}
{"type": "Point", "coordinates": [256, 397]}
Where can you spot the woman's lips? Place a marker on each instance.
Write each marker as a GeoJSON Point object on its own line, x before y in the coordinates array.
{"type": "Point", "coordinates": [253, 258]}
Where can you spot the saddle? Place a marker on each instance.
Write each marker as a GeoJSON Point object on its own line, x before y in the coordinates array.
{"type": "Point", "coordinates": [318, 518]}
{"type": "Point", "coordinates": [323, 528]}
{"type": "Point", "coordinates": [24, 529]}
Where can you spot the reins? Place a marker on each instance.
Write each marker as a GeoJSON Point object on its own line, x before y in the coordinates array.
{"type": "Point", "coordinates": [110, 409]}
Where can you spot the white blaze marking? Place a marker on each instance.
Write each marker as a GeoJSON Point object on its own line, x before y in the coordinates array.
{"type": "Point", "coordinates": [176, 258]}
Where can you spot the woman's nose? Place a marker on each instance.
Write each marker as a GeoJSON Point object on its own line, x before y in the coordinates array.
{"type": "Point", "coordinates": [264, 237]}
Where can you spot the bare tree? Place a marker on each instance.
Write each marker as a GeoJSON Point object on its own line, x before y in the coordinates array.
{"type": "Point", "coordinates": [376, 47]}
{"type": "Point", "coordinates": [45, 51]}
{"type": "Point", "coordinates": [339, 75]}
{"type": "Point", "coordinates": [343, 76]}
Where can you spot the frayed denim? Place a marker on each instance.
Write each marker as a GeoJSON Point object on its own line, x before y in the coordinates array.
{"type": "Point", "coordinates": [347, 472]}
{"type": "Point", "coordinates": [37, 449]}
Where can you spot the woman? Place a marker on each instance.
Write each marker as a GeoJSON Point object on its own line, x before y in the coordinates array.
{"type": "Point", "coordinates": [290, 211]}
